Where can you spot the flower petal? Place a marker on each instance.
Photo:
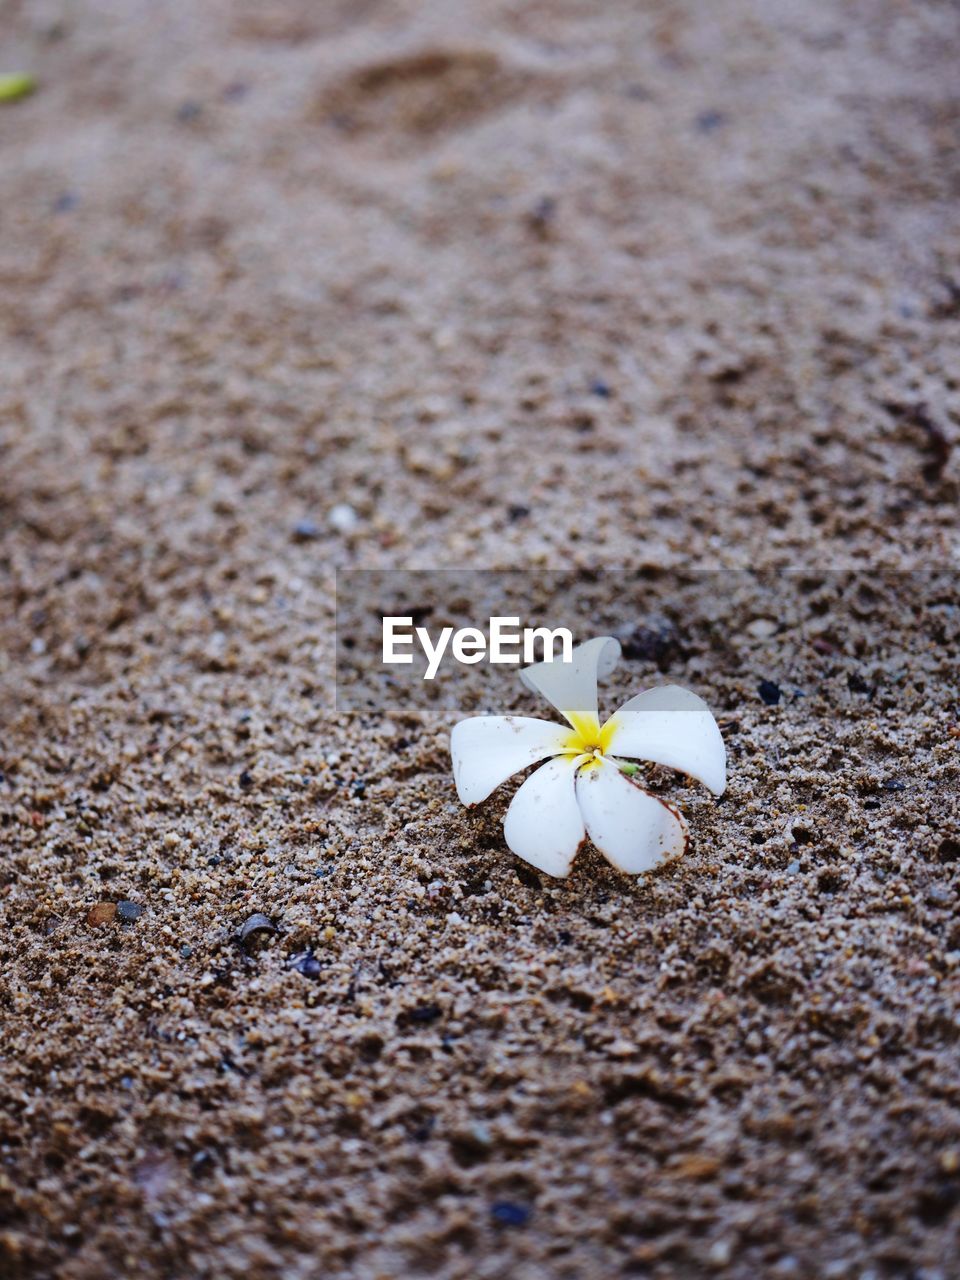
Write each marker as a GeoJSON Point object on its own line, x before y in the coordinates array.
{"type": "Point", "coordinates": [631, 828]}
{"type": "Point", "coordinates": [572, 686]}
{"type": "Point", "coordinates": [672, 726]}
{"type": "Point", "coordinates": [543, 824]}
{"type": "Point", "coordinates": [487, 750]}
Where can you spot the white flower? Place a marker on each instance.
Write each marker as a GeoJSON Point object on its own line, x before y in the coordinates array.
{"type": "Point", "coordinates": [584, 789]}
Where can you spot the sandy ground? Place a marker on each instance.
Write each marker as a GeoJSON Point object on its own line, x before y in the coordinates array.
{"type": "Point", "coordinates": [534, 285]}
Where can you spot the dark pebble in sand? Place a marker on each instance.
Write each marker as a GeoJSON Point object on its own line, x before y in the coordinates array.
{"type": "Point", "coordinates": [306, 963]}
{"type": "Point", "coordinates": [541, 218]}
{"type": "Point", "coordinates": [655, 642]}
{"type": "Point", "coordinates": [306, 531]}
{"type": "Point", "coordinates": [424, 1013]}
{"type": "Point", "coordinates": [707, 121]}
{"type": "Point", "coordinates": [508, 1214]}
{"type": "Point", "coordinates": [857, 684]}
{"type": "Point", "coordinates": [257, 923]}
{"type": "Point", "coordinates": [769, 692]}
{"type": "Point", "coordinates": [129, 911]}
{"type": "Point", "coordinates": [245, 780]}
{"type": "Point", "coordinates": [600, 388]}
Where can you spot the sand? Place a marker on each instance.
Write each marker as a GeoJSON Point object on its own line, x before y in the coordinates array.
{"type": "Point", "coordinates": [294, 287]}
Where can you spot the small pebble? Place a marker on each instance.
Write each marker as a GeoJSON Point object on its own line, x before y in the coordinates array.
{"type": "Point", "coordinates": [508, 1214]}
{"type": "Point", "coordinates": [257, 923]}
{"type": "Point", "coordinates": [769, 692]}
{"type": "Point", "coordinates": [622, 1048]}
{"type": "Point", "coordinates": [542, 216]}
{"type": "Point", "coordinates": [129, 911]}
{"type": "Point", "coordinates": [306, 531]}
{"type": "Point", "coordinates": [480, 1137]}
{"type": "Point", "coordinates": [101, 914]}
{"type": "Point", "coordinates": [857, 684]}
{"type": "Point", "coordinates": [343, 518]}
{"type": "Point", "coordinates": [424, 1013]}
{"type": "Point", "coordinates": [787, 1266]}
{"type": "Point", "coordinates": [654, 642]}
{"type": "Point", "coordinates": [707, 121]}
{"type": "Point", "coordinates": [306, 963]}
{"type": "Point", "coordinates": [721, 1251]}
{"type": "Point", "coordinates": [762, 628]}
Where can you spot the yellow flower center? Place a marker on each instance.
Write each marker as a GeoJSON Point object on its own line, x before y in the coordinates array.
{"type": "Point", "coordinates": [588, 738]}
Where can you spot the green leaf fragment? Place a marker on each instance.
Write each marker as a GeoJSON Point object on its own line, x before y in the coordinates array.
{"type": "Point", "coordinates": [630, 769]}
{"type": "Point", "coordinates": [15, 85]}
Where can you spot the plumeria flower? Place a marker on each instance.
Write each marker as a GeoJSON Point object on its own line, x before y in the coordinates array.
{"type": "Point", "coordinates": [587, 785]}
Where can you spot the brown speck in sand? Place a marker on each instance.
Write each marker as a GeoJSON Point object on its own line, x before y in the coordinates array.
{"type": "Point", "coordinates": [101, 914]}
